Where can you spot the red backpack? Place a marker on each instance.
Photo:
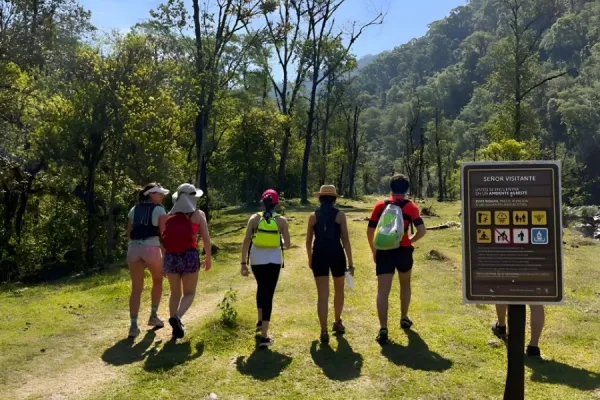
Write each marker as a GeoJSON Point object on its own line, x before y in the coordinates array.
{"type": "Point", "coordinates": [178, 236]}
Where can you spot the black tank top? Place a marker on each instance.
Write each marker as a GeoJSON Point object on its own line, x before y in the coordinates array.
{"type": "Point", "coordinates": [328, 233]}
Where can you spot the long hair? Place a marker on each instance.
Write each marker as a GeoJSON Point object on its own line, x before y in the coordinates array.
{"type": "Point", "coordinates": [269, 207]}
{"type": "Point", "coordinates": [144, 198]}
{"type": "Point", "coordinates": [327, 203]}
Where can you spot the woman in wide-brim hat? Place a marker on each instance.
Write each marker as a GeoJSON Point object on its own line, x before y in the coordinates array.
{"type": "Point", "coordinates": [327, 240]}
{"type": "Point", "coordinates": [182, 259]}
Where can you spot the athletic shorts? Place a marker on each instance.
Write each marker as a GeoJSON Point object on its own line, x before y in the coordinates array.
{"type": "Point", "coordinates": [401, 259]}
{"type": "Point", "coordinates": [184, 263]}
{"type": "Point", "coordinates": [334, 261]}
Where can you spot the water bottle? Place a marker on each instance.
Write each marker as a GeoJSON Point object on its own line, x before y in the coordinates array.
{"type": "Point", "coordinates": [349, 279]}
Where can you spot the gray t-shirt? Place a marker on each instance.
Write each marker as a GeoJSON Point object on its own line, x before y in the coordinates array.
{"type": "Point", "coordinates": [152, 241]}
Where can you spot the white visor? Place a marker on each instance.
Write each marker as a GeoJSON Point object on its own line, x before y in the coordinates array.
{"type": "Point", "coordinates": [156, 189]}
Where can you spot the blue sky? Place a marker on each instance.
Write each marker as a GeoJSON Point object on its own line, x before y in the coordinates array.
{"type": "Point", "coordinates": [405, 19]}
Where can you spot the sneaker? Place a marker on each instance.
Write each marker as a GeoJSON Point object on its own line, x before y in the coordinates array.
{"type": "Point", "coordinates": [134, 332]}
{"type": "Point", "coordinates": [265, 342]}
{"type": "Point", "coordinates": [339, 328]}
{"type": "Point", "coordinates": [177, 326]}
{"type": "Point", "coordinates": [499, 330]}
{"type": "Point", "coordinates": [382, 338]}
{"type": "Point", "coordinates": [533, 351]}
{"type": "Point", "coordinates": [324, 337]}
{"type": "Point", "coordinates": [156, 322]}
{"type": "Point", "coordinates": [406, 323]}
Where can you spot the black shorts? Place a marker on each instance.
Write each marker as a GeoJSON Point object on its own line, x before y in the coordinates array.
{"type": "Point", "coordinates": [334, 261]}
{"type": "Point", "coordinates": [401, 259]}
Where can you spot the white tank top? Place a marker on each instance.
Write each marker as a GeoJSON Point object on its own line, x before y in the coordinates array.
{"type": "Point", "coordinates": [263, 256]}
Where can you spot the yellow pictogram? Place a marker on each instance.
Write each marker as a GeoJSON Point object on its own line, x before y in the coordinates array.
{"type": "Point", "coordinates": [484, 236]}
{"type": "Point", "coordinates": [539, 218]}
{"type": "Point", "coordinates": [520, 218]}
{"type": "Point", "coordinates": [502, 217]}
{"type": "Point", "coordinates": [484, 218]}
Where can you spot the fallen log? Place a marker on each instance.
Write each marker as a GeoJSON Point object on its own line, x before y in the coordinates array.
{"type": "Point", "coordinates": [239, 228]}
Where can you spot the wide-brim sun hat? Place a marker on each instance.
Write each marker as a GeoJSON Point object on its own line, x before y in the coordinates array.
{"type": "Point", "coordinates": [327, 190]}
{"type": "Point", "coordinates": [186, 199]}
{"type": "Point", "coordinates": [188, 189]}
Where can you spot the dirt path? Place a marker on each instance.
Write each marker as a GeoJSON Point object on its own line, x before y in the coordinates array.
{"type": "Point", "coordinates": [89, 372]}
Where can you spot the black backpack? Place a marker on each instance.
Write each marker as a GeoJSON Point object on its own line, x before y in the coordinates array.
{"type": "Point", "coordinates": [327, 233]}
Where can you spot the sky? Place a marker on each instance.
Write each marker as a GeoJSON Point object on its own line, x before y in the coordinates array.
{"type": "Point", "coordinates": [404, 20]}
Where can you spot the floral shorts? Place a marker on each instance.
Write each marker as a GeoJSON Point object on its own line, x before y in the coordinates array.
{"type": "Point", "coordinates": [184, 263]}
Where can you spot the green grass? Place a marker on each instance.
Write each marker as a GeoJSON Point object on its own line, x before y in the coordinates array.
{"type": "Point", "coordinates": [450, 354]}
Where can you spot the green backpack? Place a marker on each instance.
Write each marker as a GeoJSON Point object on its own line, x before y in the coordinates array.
{"type": "Point", "coordinates": [390, 228]}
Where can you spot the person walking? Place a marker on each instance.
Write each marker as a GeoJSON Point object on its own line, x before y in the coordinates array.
{"type": "Point", "coordinates": [399, 257]}
{"type": "Point", "coordinates": [144, 251]}
{"type": "Point", "coordinates": [182, 260]}
{"type": "Point", "coordinates": [267, 235]}
{"type": "Point", "coordinates": [536, 319]}
{"type": "Point", "coordinates": [326, 240]}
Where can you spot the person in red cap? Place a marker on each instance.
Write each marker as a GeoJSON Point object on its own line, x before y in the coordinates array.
{"type": "Point", "coordinates": [267, 235]}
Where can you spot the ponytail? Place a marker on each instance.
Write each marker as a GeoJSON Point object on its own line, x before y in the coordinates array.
{"type": "Point", "coordinates": [269, 207]}
{"type": "Point", "coordinates": [327, 203]}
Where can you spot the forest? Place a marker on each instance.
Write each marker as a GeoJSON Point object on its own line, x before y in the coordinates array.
{"type": "Point", "coordinates": [193, 94]}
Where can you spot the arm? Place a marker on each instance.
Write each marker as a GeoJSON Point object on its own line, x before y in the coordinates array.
{"type": "Point", "coordinates": [246, 244]}
{"type": "Point", "coordinates": [346, 240]}
{"type": "Point", "coordinates": [373, 221]}
{"type": "Point", "coordinates": [128, 230]}
{"type": "Point", "coordinates": [205, 239]}
{"type": "Point", "coordinates": [370, 238]}
{"type": "Point", "coordinates": [162, 223]}
{"type": "Point", "coordinates": [310, 232]}
{"type": "Point", "coordinates": [419, 224]}
{"type": "Point", "coordinates": [285, 232]}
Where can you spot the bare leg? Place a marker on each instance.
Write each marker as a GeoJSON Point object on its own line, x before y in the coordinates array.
{"type": "Point", "coordinates": [405, 292]}
{"type": "Point", "coordinates": [384, 285]}
{"type": "Point", "coordinates": [501, 310]}
{"type": "Point", "coordinates": [338, 299]}
{"type": "Point", "coordinates": [175, 299]}
{"type": "Point", "coordinates": [537, 319]}
{"type": "Point", "coordinates": [323, 300]}
{"type": "Point", "coordinates": [189, 283]}
{"type": "Point", "coordinates": [136, 271]}
{"type": "Point", "coordinates": [155, 266]}
{"type": "Point", "coordinates": [264, 328]}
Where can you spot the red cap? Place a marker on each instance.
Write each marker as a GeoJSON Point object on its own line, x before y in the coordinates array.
{"type": "Point", "coordinates": [274, 196]}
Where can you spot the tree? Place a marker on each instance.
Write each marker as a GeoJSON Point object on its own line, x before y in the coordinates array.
{"type": "Point", "coordinates": [321, 23]}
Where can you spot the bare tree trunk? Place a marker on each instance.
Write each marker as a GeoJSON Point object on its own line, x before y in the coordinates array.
{"type": "Point", "coordinates": [308, 138]}
{"type": "Point", "coordinates": [421, 164]}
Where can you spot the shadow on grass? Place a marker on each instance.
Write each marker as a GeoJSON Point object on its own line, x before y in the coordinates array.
{"type": "Point", "coordinates": [172, 354]}
{"type": "Point", "coordinates": [557, 373]}
{"type": "Point", "coordinates": [416, 355]}
{"type": "Point", "coordinates": [126, 351]}
{"type": "Point", "coordinates": [340, 365]}
{"type": "Point", "coordinates": [263, 364]}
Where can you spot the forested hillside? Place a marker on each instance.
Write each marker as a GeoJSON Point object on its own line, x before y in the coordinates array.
{"type": "Point", "coordinates": [194, 94]}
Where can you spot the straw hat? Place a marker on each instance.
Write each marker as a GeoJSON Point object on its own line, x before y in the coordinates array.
{"type": "Point", "coordinates": [327, 190]}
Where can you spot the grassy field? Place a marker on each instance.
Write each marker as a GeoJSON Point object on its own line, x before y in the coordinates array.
{"type": "Point", "coordinates": [67, 340]}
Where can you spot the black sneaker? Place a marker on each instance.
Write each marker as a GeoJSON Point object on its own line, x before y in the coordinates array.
{"type": "Point", "coordinates": [265, 342]}
{"type": "Point", "coordinates": [499, 330]}
{"type": "Point", "coordinates": [177, 326]}
{"type": "Point", "coordinates": [534, 352]}
{"type": "Point", "coordinates": [406, 323]}
{"type": "Point", "coordinates": [382, 338]}
{"type": "Point", "coordinates": [324, 337]}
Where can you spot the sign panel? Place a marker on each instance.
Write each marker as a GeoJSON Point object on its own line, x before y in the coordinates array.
{"type": "Point", "coordinates": [512, 233]}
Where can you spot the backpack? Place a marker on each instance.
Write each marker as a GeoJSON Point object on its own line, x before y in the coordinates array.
{"type": "Point", "coordinates": [267, 235]}
{"type": "Point", "coordinates": [326, 234]}
{"type": "Point", "coordinates": [390, 228]}
{"type": "Point", "coordinates": [178, 236]}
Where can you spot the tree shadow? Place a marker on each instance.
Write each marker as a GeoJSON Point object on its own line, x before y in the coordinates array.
{"type": "Point", "coordinates": [172, 354]}
{"type": "Point", "coordinates": [416, 355]}
{"type": "Point", "coordinates": [263, 364]}
{"type": "Point", "coordinates": [340, 365]}
{"type": "Point", "coordinates": [554, 372]}
{"type": "Point", "coordinates": [126, 351]}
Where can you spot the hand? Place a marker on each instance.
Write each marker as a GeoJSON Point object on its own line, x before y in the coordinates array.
{"type": "Point", "coordinates": [310, 263]}
{"type": "Point", "coordinates": [244, 270]}
{"type": "Point", "coordinates": [351, 270]}
{"type": "Point", "coordinates": [207, 264]}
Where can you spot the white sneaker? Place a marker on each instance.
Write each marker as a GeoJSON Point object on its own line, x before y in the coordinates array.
{"type": "Point", "coordinates": [156, 322]}
{"type": "Point", "coordinates": [134, 332]}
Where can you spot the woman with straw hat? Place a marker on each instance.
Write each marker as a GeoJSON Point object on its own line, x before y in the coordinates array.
{"type": "Point", "coordinates": [326, 239]}
{"type": "Point", "coordinates": [182, 261]}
